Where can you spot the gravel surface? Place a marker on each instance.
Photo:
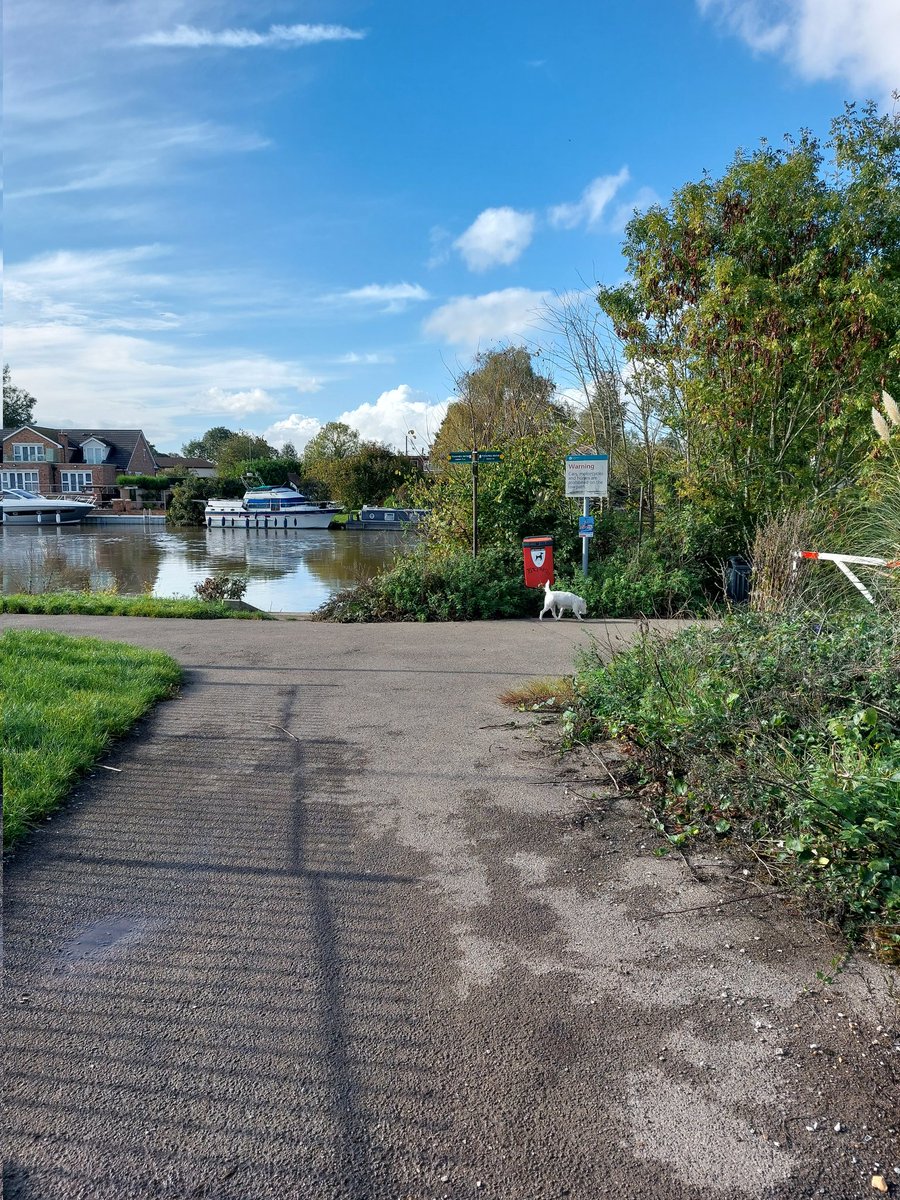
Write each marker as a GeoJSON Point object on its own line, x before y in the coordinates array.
{"type": "Point", "coordinates": [334, 929]}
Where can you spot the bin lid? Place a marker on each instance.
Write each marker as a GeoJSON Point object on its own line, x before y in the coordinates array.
{"type": "Point", "coordinates": [537, 541]}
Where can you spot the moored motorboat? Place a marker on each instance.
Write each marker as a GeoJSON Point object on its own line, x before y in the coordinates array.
{"type": "Point", "coordinates": [271, 508]}
{"type": "Point", "coordinates": [28, 508]}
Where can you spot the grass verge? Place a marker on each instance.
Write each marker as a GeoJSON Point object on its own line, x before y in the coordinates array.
{"type": "Point", "coordinates": [110, 604]}
{"type": "Point", "coordinates": [64, 700]}
{"type": "Point", "coordinates": [781, 734]}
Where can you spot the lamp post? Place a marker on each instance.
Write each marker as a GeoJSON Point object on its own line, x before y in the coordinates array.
{"type": "Point", "coordinates": [410, 433]}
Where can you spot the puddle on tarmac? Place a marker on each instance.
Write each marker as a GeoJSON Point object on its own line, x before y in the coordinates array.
{"type": "Point", "coordinates": [97, 939]}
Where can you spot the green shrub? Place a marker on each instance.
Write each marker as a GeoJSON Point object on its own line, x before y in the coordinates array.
{"type": "Point", "coordinates": [781, 732]}
{"type": "Point", "coordinates": [424, 587]}
{"type": "Point", "coordinates": [637, 584]}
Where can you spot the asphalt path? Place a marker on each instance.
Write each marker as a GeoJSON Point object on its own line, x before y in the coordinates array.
{"type": "Point", "coordinates": [333, 928]}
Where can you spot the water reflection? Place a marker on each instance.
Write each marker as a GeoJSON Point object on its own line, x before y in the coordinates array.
{"type": "Point", "coordinates": [287, 570]}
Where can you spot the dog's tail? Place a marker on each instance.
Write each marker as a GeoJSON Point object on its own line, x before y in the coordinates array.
{"type": "Point", "coordinates": [546, 585]}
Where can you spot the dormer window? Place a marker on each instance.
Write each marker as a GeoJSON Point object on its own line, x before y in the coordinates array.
{"type": "Point", "coordinates": [94, 451]}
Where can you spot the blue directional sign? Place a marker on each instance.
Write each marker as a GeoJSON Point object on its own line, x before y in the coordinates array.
{"type": "Point", "coordinates": [586, 527]}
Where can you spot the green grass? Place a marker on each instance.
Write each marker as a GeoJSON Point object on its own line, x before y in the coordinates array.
{"type": "Point", "coordinates": [779, 734]}
{"type": "Point", "coordinates": [110, 604]}
{"type": "Point", "coordinates": [64, 701]}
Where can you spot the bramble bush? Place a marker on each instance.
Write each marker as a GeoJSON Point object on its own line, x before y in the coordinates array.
{"type": "Point", "coordinates": [222, 587]}
{"type": "Point", "coordinates": [453, 587]}
{"type": "Point", "coordinates": [779, 732]}
{"type": "Point", "coordinates": [641, 583]}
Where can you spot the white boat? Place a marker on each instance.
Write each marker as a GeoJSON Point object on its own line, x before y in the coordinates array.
{"type": "Point", "coordinates": [271, 508]}
{"type": "Point", "coordinates": [28, 508]}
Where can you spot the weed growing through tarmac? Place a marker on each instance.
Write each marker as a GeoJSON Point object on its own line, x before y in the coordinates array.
{"type": "Point", "coordinates": [542, 695]}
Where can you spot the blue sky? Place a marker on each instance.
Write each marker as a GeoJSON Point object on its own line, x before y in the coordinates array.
{"type": "Point", "coordinates": [269, 215]}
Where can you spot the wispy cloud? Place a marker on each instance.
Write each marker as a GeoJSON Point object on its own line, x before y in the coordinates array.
{"type": "Point", "coordinates": [372, 359]}
{"type": "Point", "coordinates": [497, 237]}
{"type": "Point", "coordinates": [469, 321]}
{"type": "Point", "coordinates": [589, 209]}
{"type": "Point", "coordinates": [191, 37]}
{"type": "Point", "coordinates": [389, 297]}
{"type": "Point", "coordinates": [642, 199]}
{"type": "Point", "coordinates": [854, 40]}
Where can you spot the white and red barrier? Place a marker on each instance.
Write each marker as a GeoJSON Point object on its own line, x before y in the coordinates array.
{"type": "Point", "coordinates": [841, 561]}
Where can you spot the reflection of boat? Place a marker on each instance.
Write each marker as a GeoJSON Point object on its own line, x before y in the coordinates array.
{"type": "Point", "coordinates": [271, 508]}
{"type": "Point", "coordinates": [28, 508]}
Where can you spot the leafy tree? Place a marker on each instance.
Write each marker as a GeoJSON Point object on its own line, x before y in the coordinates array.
{"type": "Point", "coordinates": [766, 306]}
{"type": "Point", "coordinates": [210, 445]}
{"type": "Point", "coordinates": [288, 450]}
{"type": "Point", "coordinates": [334, 441]}
{"type": "Point", "coordinates": [241, 450]}
{"type": "Point", "coordinates": [521, 496]}
{"type": "Point", "coordinates": [373, 475]}
{"type": "Point", "coordinates": [501, 398]}
{"type": "Point", "coordinates": [190, 496]}
{"type": "Point", "coordinates": [18, 405]}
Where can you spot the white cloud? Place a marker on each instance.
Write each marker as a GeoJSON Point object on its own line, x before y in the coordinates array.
{"type": "Point", "coordinates": [296, 429]}
{"type": "Point", "coordinates": [190, 37]}
{"type": "Point", "coordinates": [354, 359]}
{"type": "Point", "coordinates": [394, 414]}
{"type": "Point", "coordinates": [240, 403]}
{"type": "Point", "coordinates": [497, 237]}
{"type": "Point", "coordinates": [470, 320]}
{"type": "Point", "coordinates": [590, 208]}
{"type": "Point", "coordinates": [853, 40]}
{"type": "Point", "coordinates": [643, 199]}
{"type": "Point", "coordinates": [391, 297]}
{"type": "Point", "coordinates": [88, 377]}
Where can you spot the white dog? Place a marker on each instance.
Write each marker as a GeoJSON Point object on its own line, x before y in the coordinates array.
{"type": "Point", "coordinates": [558, 602]}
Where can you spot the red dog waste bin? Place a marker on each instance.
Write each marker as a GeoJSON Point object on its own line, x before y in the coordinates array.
{"type": "Point", "coordinates": [537, 553]}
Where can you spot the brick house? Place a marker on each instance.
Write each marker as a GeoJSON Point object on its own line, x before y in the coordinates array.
{"type": "Point", "coordinates": [49, 461]}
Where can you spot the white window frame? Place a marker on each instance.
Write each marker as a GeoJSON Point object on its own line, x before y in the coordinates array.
{"type": "Point", "coordinates": [83, 481]}
{"type": "Point", "coordinates": [29, 452]}
{"type": "Point", "coordinates": [25, 481]}
{"type": "Point", "coordinates": [94, 452]}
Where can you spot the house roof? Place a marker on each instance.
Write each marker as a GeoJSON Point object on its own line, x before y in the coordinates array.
{"type": "Point", "coordinates": [121, 442]}
{"type": "Point", "coordinates": [178, 460]}
{"type": "Point", "coordinates": [52, 435]}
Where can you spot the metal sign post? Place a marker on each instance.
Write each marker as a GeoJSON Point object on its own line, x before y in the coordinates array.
{"type": "Point", "coordinates": [586, 475]}
{"type": "Point", "coordinates": [473, 458]}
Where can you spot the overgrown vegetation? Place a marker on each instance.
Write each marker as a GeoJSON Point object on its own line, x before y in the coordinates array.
{"type": "Point", "coordinates": [424, 587]}
{"type": "Point", "coordinates": [111, 604]}
{"type": "Point", "coordinates": [542, 695]}
{"type": "Point", "coordinates": [779, 733]}
{"type": "Point", "coordinates": [216, 588]}
{"type": "Point", "coordinates": [65, 700]}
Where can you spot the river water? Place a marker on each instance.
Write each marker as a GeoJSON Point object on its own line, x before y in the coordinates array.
{"type": "Point", "coordinates": [286, 570]}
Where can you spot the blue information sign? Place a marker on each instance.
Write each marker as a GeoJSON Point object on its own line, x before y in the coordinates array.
{"type": "Point", "coordinates": [586, 527]}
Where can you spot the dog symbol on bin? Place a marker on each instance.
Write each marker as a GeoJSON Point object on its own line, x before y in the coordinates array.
{"type": "Point", "coordinates": [537, 559]}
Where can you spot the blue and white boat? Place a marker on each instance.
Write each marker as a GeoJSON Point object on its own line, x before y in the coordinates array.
{"type": "Point", "coordinates": [271, 508]}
